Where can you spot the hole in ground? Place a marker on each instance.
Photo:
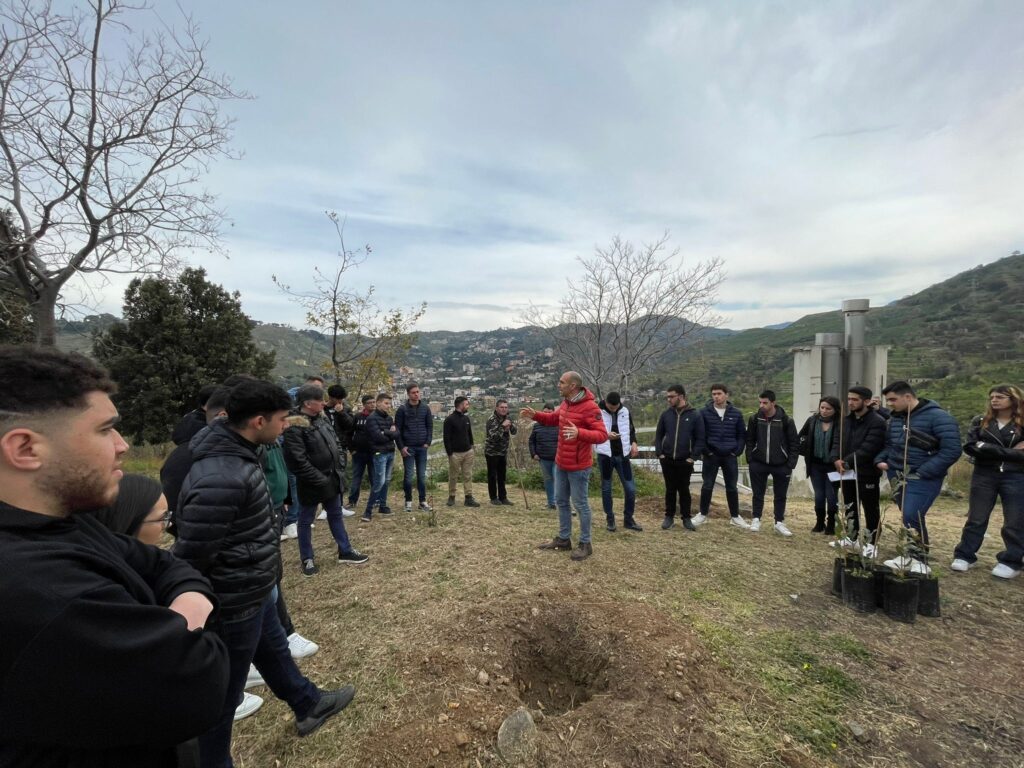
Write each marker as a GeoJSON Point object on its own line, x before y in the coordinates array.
{"type": "Point", "coordinates": [559, 662]}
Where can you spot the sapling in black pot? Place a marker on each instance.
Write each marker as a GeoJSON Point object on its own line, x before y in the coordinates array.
{"type": "Point", "coordinates": [927, 582]}
{"type": "Point", "coordinates": [901, 591]}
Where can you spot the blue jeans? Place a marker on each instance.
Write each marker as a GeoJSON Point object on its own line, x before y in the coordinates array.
{"type": "Point", "coordinates": [987, 485]}
{"type": "Point", "coordinates": [416, 460]}
{"type": "Point", "coordinates": [572, 487]}
{"type": "Point", "coordinates": [824, 492]}
{"type": "Point", "coordinates": [383, 463]}
{"type": "Point", "coordinates": [621, 466]}
{"type": "Point", "coordinates": [730, 473]}
{"type": "Point", "coordinates": [360, 462]}
{"type": "Point", "coordinates": [256, 638]}
{"type": "Point", "coordinates": [334, 519]}
{"type": "Point", "coordinates": [914, 499]}
{"type": "Point", "coordinates": [547, 471]}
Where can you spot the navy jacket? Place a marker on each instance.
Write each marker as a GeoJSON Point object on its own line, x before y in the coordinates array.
{"type": "Point", "coordinates": [415, 424]}
{"type": "Point", "coordinates": [933, 445]}
{"type": "Point", "coordinates": [725, 436]}
{"type": "Point", "coordinates": [773, 441]}
{"type": "Point", "coordinates": [379, 436]}
{"type": "Point", "coordinates": [680, 435]}
{"type": "Point", "coordinates": [544, 442]}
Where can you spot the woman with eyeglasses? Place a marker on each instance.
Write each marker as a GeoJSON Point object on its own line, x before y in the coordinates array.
{"type": "Point", "coordinates": [995, 444]}
{"type": "Point", "coordinates": [141, 511]}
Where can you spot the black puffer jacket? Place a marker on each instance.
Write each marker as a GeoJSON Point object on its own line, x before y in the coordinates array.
{"type": "Point", "coordinates": [544, 442]}
{"type": "Point", "coordinates": [379, 436]}
{"type": "Point", "coordinates": [360, 442]}
{"type": "Point", "coordinates": [344, 422]}
{"type": "Point", "coordinates": [225, 520]}
{"type": "Point", "coordinates": [993, 448]}
{"type": "Point", "coordinates": [312, 454]}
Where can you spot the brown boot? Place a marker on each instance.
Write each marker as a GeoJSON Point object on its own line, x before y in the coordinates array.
{"type": "Point", "coordinates": [582, 552]}
{"type": "Point", "coordinates": [556, 543]}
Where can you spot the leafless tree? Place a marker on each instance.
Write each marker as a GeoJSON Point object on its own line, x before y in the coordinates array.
{"type": "Point", "coordinates": [625, 306]}
{"type": "Point", "coordinates": [104, 133]}
{"type": "Point", "coordinates": [365, 337]}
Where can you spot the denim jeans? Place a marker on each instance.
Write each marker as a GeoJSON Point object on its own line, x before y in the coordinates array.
{"type": "Point", "coordinates": [360, 462]}
{"type": "Point", "coordinates": [571, 491]}
{"type": "Point", "coordinates": [416, 462]}
{"type": "Point", "coordinates": [914, 498]}
{"type": "Point", "coordinates": [619, 465]}
{"type": "Point", "coordinates": [256, 638]}
{"type": "Point", "coordinates": [824, 492]}
{"type": "Point", "coordinates": [547, 471]}
{"type": "Point", "coordinates": [987, 485]}
{"type": "Point", "coordinates": [334, 520]}
{"type": "Point", "coordinates": [677, 474]}
{"type": "Point", "coordinates": [383, 464]}
{"type": "Point", "coordinates": [730, 473]}
{"type": "Point", "coordinates": [780, 475]}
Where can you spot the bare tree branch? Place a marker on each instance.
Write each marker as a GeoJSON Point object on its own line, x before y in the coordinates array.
{"type": "Point", "coordinates": [625, 306]}
{"type": "Point", "coordinates": [104, 134]}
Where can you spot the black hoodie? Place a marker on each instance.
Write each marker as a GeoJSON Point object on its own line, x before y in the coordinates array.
{"type": "Point", "coordinates": [94, 669]}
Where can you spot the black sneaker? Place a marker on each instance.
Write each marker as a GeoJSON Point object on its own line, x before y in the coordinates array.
{"type": "Point", "coordinates": [385, 511]}
{"type": "Point", "coordinates": [330, 704]}
{"type": "Point", "coordinates": [611, 528]}
{"type": "Point", "coordinates": [552, 506]}
{"type": "Point", "coordinates": [556, 543]}
{"type": "Point", "coordinates": [495, 503]}
{"type": "Point", "coordinates": [352, 558]}
{"type": "Point", "coordinates": [450, 502]}
{"type": "Point", "coordinates": [633, 527]}
{"type": "Point", "coordinates": [505, 503]}
{"type": "Point", "coordinates": [667, 523]}
{"type": "Point", "coordinates": [309, 568]}
{"type": "Point", "coordinates": [471, 502]}
{"type": "Point", "coordinates": [688, 524]}
{"type": "Point", "coordinates": [365, 519]}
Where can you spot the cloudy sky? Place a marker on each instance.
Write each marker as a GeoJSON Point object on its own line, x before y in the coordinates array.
{"type": "Point", "coordinates": [822, 150]}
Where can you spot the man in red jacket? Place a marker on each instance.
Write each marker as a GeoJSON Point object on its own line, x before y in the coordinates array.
{"type": "Point", "coordinates": [580, 428]}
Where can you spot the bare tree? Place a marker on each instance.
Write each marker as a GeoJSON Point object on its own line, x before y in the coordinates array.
{"type": "Point", "coordinates": [104, 133]}
{"type": "Point", "coordinates": [625, 306]}
{"type": "Point", "coordinates": [365, 337]}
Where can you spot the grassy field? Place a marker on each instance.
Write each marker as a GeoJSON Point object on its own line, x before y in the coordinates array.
{"type": "Point", "coordinates": [667, 648]}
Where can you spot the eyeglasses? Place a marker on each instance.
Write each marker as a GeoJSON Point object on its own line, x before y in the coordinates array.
{"type": "Point", "coordinates": [164, 519]}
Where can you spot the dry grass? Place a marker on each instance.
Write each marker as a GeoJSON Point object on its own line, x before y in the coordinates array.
{"type": "Point", "coordinates": [766, 679]}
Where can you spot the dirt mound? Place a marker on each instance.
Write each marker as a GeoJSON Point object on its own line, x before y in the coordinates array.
{"type": "Point", "coordinates": [607, 684]}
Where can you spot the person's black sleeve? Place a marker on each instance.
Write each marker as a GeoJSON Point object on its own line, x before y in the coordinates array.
{"type": "Point", "coordinates": [209, 506]}
{"type": "Point", "coordinates": [297, 459]}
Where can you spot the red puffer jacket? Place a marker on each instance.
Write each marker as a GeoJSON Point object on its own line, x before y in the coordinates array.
{"type": "Point", "coordinates": [574, 455]}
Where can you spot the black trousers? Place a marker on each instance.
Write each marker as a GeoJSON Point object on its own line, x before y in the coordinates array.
{"type": "Point", "coordinates": [780, 475]}
{"type": "Point", "coordinates": [864, 489]}
{"type": "Point", "coordinates": [497, 468]}
{"type": "Point", "coordinates": [677, 485]}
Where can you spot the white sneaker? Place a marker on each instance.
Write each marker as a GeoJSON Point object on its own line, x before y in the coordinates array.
{"type": "Point", "coordinates": [1003, 571]}
{"type": "Point", "coordinates": [755, 524]}
{"type": "Point", "coordinates": [322, 515]}
{"type": "Point", "coordinates": [425, 507]}
{"type": "Point", "coordinates": [699, 519]}
{"type": "Point", "coordinates": [870, 551]}
{"type": "Point", "coordinates": [908, 564]}
{"type": "Point", "coordinates": [291, 531]}
{"type": "Point", "coordinates": [781, 529]}
{"type": "Point", "coordinates": [408, 506]}
{"type": "Point", "coordinates": [960, 565]}
{"type": "Point", "coordinates": [739, 522]}
{"type": "Point", "coordinates": [346, 512]}
{"type": "Point", "coordinates": [300, 647]}
{"type": "Point", "coordinates": [250, 703]}
{"type": "Point", "coordinates": [254, 678]}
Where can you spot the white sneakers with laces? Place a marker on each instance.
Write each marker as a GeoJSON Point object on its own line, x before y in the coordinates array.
{"type": "Point", "coordinates": [782, 530]}
{"type": "Point", "coordinates": [910, 564]}
{"type": "Point", "coordinates": [1002, 571]}
{"type": "Point", "coordinates": [960, 565]}
{"type": "Point", "coordinates": [739, 522]}
{"type": "Point", "coordinates": [254, 678]}
{"type": "Point", "coordinates": [299, 647]}
{"type": "Point", "coordinates": [250, 703]}
{"type": "Point", "coordinates": [699, 519]}
{"type": "Point", "coordinates": [755, 524]}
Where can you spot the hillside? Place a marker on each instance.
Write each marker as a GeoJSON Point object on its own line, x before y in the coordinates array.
{"type": "Point", "coordinates": [954, 339]}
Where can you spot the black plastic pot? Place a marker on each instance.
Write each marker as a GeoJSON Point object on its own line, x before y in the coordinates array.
{"type": "Point", "coordinates": [928, 596]}
{"type": "Point", "coordinates": [837, 577]}
{"type": "Point", "coordinates": [859, 590]}
{"type": "Point", "coordinates": [901, 598]}
{"type": "Point", "coordinates": [880, 572]}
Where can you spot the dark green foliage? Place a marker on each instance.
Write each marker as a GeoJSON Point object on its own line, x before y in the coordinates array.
{"type": "Point", "coordinates": [176, 336]}
{"type": "Point", "coordinates": [15, 320]}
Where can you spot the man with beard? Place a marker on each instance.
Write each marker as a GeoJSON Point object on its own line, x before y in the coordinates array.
{"type": "Point", "coordinates": [103, 656]}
